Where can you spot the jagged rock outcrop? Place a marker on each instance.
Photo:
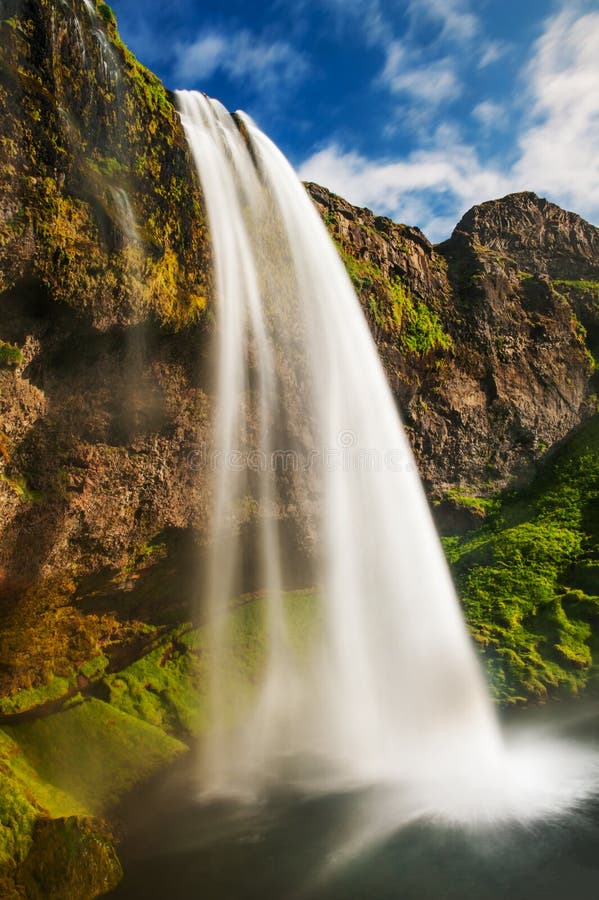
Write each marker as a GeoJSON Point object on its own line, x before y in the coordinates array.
{"type": "Point", "coordinates": [531, 235]}
{"type": "Point", "coordinates": [488, 339]}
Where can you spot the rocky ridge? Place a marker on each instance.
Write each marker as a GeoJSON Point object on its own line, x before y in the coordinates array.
{"type": "Point", "coordinates": [488, 339]}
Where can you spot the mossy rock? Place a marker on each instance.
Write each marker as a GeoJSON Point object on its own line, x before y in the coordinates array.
{"type": "Point", "coordinates": [529, 578]}
{"type": "Point", "coordinates": [10, 354]}
{"type": "Point", "coordinates": [70, 859]}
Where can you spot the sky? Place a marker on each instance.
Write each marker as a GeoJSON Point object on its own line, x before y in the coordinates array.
{"type": "Point", "coordinates": [417, 109]}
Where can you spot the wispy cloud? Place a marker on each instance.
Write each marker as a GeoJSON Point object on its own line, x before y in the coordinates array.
{"type": "Point", "coordinates": [492, 52]}
{"type": "Point", "coordinates": [490, 115]}
{"type": "Point", "coordinates": [413, 70]}
{"type": "Point", "coordinates": [434, 83]}
{"type": "Point", "coordinates": [242, 56]}
{"type": "Point", "coordinates": [454, 17]}
{"type": "Point", "coordinates": [560, 147]}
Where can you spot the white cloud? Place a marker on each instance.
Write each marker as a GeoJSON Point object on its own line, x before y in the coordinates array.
{"type": "Point", "coordinates": [409, 190]}
{"type": "Point", "coordinates": [490, 115]}
{"type": "Point", "coordinates": [560, 148]}
{"type": "Point", "coordinates": [433, 83]}
{"type": "Point", "coordinates": [492, 52]}
{"type": "Point", "coordinates": [240, 55]}
{"type": "Point", "coordinates": [454, 17]}
{"type": "Point", "coordinates": [424, 73]}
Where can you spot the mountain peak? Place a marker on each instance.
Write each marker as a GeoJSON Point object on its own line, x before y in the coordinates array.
{"type": "Point", "coordinates": [538, 235]}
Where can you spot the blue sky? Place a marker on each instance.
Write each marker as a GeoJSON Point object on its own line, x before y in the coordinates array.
{"type": "Point", "coordinates": [415, 108]}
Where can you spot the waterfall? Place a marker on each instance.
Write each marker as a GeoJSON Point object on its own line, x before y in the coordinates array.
{"type": "Point", "coordinates": [390, 690]}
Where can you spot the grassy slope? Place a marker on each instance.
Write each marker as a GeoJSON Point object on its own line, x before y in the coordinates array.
{"type": "Point", "coordinates": [529, 578]}
{"type": "Point", "coordinates": [81, 760]}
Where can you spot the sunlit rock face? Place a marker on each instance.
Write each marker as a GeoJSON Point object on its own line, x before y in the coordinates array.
{"type": "Point", "coordinates": [486, 338]}
{"type": "Point", "coordinates": [104, 283]}
{"type": "Point", "coordinates": [531, 233]}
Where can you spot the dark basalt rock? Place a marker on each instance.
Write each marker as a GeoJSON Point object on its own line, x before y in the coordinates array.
{"type": "Point", "coordinates": [531, 235]}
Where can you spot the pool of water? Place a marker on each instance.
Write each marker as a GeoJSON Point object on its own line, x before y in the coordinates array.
{"type": "Point", "coordinates": [334, 847]}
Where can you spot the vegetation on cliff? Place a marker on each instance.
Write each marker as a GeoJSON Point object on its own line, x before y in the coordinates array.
{"type": "Point", "coordinates": [529, 578]}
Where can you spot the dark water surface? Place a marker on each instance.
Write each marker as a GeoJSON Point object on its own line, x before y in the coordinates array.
{"type": "Point", "coordinates": [294, 848]}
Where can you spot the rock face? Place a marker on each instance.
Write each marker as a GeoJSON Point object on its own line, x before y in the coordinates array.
{"type": "Point", "coordinates": [532, 234]}
{"type": "Point", "coordinates": [98, 207]}
{"type": "Point", "coordinates": [488, 339]}
{"type": "Point", "coordinates": [104, 279]}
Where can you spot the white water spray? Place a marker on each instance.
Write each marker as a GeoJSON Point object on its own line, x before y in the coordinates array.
{"type": "Point", "coordinates": [392, 691]}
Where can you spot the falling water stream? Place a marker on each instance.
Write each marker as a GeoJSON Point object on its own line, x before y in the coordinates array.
{"type": "Point", "coordinates": [391, 692]}
{"type": "Point", "coordinates": [364, 757]}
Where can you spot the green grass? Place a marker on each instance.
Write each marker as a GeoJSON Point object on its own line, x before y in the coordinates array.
{"type": "Point", "coordinates": [528, 578]}
{"type": "Point", "coordinates": [93, 752]}
{"type": "Point", "coordinates": [24, 796]}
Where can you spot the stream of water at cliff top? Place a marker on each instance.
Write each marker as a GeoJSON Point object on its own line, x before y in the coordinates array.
{"type": "Point", "coordinates": [389, 692]}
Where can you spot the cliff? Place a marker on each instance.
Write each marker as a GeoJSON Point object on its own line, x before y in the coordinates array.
{"type": "Point", "coordinates": [488, 339]}
{"type": "Point", "coordinates": [104, 280]}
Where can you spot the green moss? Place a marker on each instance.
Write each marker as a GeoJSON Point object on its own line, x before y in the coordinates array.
{"type": "Point", "coordinates": [483, 505]}
{"type": "Point", "coordinates": [528, 577]}
{"type": "Point", "coordinates": [81, 256]}
{"type": "Point", "coordinates": [144, 554]}
{"type": "Point", "coordinates": [161, 688]}
{"type": "Point", "coordinates": [18, 484]}
{"type": "Point", "coordinates": [395, 310]}
{"type": "Point", "coordinates": [29, 698]}
{"type": "Point", "coordinates": [10, 354]}
{"type": "Point", "coordinates": [106, 13]}
{"type": "Point", "coordinates": [70, 857]}
{"type": "Point", "coordinates": [168, 687]}
{"type": "Point", "coordinates": [579, 285]}
{"type": "Point", "coordinates": [107, 166]}
{"type": "Point", "coordinates": [94, 752]}
{"type": "Point", "coordinates": [420, 328]}
{"type": "Point", "coordinates": [24, 796]}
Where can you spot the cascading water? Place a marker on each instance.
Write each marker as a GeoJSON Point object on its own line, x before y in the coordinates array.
{"type": "Point", "coordinates": [391, 690]}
